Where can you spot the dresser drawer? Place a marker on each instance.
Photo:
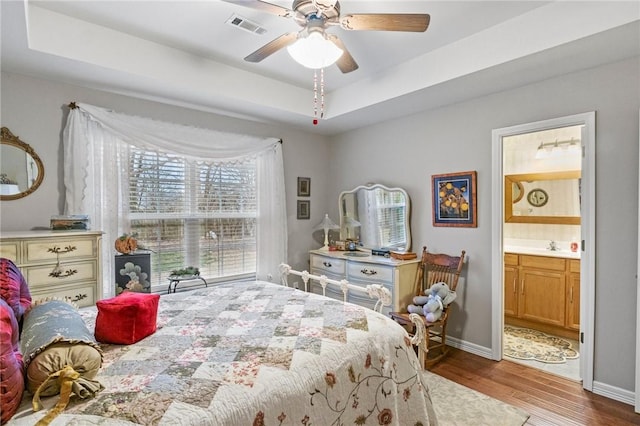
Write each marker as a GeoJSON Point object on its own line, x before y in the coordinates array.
{"type": "Point", "coordinates": [81, 294]}
{"type": "Point", "coordinates": [328, 265]}
{"type": "Point", "coordinates": [369, 273]}
{"type": "Point", "coordinates": [68, 272]}
{"type": "Point", "coordinates": [9, 250]}
{"type": "Point", "coordinates": [59, 248]}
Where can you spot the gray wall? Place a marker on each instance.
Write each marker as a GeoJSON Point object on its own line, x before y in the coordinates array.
{"type": "Point", "coordinates": [36, 111]}
{"type": "Point", "coordinates": [407, 151]}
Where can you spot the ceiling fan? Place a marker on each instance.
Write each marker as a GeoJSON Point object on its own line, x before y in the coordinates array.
{"type": "Point", "coordinates": [315, 16]}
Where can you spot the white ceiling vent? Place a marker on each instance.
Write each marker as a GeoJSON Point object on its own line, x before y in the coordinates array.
{"type": "Point", "coordinates": [245, 24]}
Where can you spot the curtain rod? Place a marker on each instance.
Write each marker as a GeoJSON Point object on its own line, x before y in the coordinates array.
{"type": "Point", "coordinates": [72, 105]}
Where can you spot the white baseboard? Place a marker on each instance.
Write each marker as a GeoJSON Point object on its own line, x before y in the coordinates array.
{"type": "Point", "coordinates": [614, 392]}
{"type": "Point", "coordinates": [469, 347]}
{"type": "Point", "coordinates": [603, 389]}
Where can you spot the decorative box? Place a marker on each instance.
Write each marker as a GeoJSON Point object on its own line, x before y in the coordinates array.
{"type": "Point", "coordinates": [67, 222]}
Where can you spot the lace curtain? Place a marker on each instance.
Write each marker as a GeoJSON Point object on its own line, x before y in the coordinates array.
{"type": "Point", "coordinates": [96, 144]}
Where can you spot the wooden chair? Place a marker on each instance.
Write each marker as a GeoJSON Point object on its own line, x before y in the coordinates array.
{"type": "Point", "coordinates": [430, 337]}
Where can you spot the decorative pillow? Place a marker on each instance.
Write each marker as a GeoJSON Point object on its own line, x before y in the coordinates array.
{"type": "Point", "coordinates": [126, 318]}
{"type": "Point", "coordinates": [60, 354]}
{"type": "Point", "coordinates": [13, 288]}
{"type": "Point", "coordinates": [11, 375]}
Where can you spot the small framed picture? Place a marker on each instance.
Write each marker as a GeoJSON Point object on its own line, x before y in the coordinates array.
{"type": "Point", "coordinates": [454, 199]}
{"type": "Point", "coordinates": [303, 209]}
{"type": "Point", "coordinates": [304, 187]}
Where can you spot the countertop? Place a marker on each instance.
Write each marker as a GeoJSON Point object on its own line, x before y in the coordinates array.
{"type": "Point", "coordinates": [536, 251]}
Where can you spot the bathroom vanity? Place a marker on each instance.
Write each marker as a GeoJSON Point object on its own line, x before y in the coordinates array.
{"type": "Point", "coordinates": [542, 290]}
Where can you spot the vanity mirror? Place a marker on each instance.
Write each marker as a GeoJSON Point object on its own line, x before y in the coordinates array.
{"type": "Point", "coordinates": [377, 216]}
{"type": "Point", "coordinates": [21, 170]}
{"type": "Point", "coordinates": [551, 198]}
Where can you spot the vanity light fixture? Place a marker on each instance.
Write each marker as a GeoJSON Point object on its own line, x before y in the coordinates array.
{"type": "Point", "coordinates": [326, 225]}
{"type": "Point", "coordinates": [554, 149]}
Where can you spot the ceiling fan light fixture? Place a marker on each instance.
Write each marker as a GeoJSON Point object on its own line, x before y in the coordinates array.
{"type": "Point", "coordinates": [314, 51]}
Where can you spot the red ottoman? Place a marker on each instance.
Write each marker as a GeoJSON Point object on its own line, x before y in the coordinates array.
{"type": "Point", "coordinates": [127, 318]}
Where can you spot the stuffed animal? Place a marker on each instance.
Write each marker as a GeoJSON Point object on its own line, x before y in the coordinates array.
{"type": "Point", "coordinates": [442, 290]}
{"type": "Point", "coordinates": [440, 296]}
{"type": "Point", "coordinates": [432, 310]}
{"type": "Point", "coordinates": [432, 304]}
{"type": "Point", "coordinates": [418, 303]}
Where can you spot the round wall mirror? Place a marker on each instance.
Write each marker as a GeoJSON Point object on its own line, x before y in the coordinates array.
{"type": "Point", "coordinates": [21, 170]}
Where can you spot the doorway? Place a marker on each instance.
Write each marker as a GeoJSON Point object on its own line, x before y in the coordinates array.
{"type": "Point", "coordinates": [540, 237]}
{"type": "Point", "coordinates": [533, 232]}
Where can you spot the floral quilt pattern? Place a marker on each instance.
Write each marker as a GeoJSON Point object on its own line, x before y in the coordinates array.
{"type": "Point", "coordinates": [256, 353]}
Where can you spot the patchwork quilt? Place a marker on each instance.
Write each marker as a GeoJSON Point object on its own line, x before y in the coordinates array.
{"type": "Point", "coordinates": [255, 353]}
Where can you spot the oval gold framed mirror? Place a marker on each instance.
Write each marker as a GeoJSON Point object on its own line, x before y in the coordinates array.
{"type": "Point", "coordinates": [21, 170]}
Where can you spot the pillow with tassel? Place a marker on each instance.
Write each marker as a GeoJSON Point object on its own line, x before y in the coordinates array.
{"type": "Point", "coordinates": [61, 355]}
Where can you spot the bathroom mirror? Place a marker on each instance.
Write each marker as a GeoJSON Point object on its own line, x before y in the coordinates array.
{"type": "Point", "coordinates": [561, 198]}
{"type": "Point", "coordinates": [376, 216]}
{"type": "Point", "coordinates": [21, 170]}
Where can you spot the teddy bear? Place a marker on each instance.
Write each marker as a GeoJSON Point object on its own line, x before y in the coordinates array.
{"type": "Point", "coordinates": [432, 304]}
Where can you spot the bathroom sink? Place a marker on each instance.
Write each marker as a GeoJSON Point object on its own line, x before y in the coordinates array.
{"type": "Point", "coordinates": [355, 254]}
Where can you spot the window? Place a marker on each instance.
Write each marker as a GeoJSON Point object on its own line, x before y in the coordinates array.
{"type": "Point", "coordinates": [192, 213]}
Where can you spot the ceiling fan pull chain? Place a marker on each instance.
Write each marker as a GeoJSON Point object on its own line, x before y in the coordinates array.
{"type": "Point", "coordinates": [315, 97]}
{"type": "Point", "coordinates": [321, 92]}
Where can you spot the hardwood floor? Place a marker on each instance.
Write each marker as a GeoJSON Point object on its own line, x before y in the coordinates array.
{"type": "Point", "coordinates": [549, 399]}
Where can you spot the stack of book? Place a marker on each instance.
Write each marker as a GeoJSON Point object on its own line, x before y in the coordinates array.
{"type": "Point", "coordinates": [403, 255]}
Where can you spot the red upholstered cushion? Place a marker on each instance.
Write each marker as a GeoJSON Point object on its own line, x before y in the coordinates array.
{"type": "Point", "coordinates": [13, 288]}
{"type": "Point", "coordinates": [11, 367]}
{"type": "Point", "coordinates": [126, 318]}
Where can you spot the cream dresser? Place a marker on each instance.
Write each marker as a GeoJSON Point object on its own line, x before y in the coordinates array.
{"type": "Point", "coordinates": [398, 276]}
{"type": "Point", "coordinates": [64, 264]}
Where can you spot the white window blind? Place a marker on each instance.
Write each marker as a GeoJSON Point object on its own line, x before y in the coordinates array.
{"type": "Point", "coordinates": [193, 214]}
{"type": "Point", "coordinates": [391, 218]}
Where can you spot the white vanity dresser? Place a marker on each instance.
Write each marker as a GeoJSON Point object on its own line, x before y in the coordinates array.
{"type": "Point", "coordinates": [64, 264]}
{"type": "Point", "coordinates": [376, 217]}
{"type": "Point", "coordinates": [398, 276]}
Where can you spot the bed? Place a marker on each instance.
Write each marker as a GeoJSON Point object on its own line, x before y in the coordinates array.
{"type": "Point", "coordinates": [255, 353]}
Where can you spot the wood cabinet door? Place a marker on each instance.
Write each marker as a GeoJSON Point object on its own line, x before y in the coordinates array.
{"type": "Point", "coordinates": [511, 290]}
{"type": "Point", "coordinates": [573, 301]}
{"type": "Point", "coordinates": [542, 296]}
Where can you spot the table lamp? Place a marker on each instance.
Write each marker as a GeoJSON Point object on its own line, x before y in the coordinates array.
{"type": "Point", "coordinates": [325, 225]}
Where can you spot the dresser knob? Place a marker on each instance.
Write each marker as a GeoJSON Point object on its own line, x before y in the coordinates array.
{"type": "Point", "coordinates": [368, 272]}
{"type": "Point", "coordinates": [327, 264]}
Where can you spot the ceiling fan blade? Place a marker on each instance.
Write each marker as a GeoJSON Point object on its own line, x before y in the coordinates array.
{"type": "Point", "coordinates": [346, 63]}
{"type": "Point", "coordinates": [273, 46]}
{"type": "Point", "coordinates": [414, 22]}
{"type": "Point", "coordinates": [264, 6]}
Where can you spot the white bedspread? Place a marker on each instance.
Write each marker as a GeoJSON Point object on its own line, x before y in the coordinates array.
{"type": "Point", "coordinates": [256, 353]}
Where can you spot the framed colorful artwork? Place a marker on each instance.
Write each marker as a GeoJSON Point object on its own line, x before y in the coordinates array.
{"type": "Point", "coordinates": [454, 199]}
{"type": "Point", "coordinates": [304, 187]}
